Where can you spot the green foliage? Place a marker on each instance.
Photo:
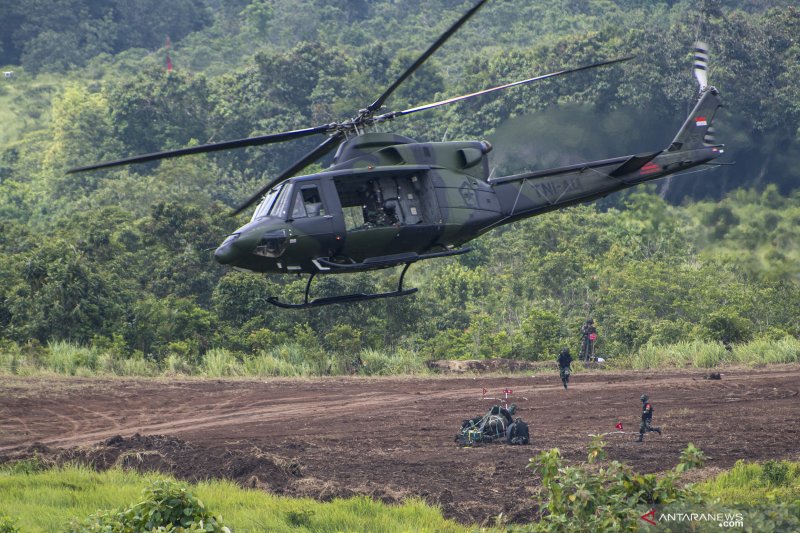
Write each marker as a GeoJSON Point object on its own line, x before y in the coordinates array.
{"type": "Point", "coordinates": [703, 354]}
{"type": "Point", "coordinates": [26, 467]}
{"type": "Point", "coordinates": [167, 506]}
{"type": "Point", "coordinates": [755, 484]}
{"type": "Point", "coordinates": [606, 498]}
{"type": "Point", "coordinates": [218, 362]}
{"type": "Point", "coordinates": [612, 497]}
{"type": "Point", "coordinates": [66, 33]}
{"type": "Point", "coordinates": [8, 525]}
{"type": "Point", "coordinates": [775, 473]}
{"type": "Point", "coordinates": [691, 457]}
{"type": "Point", "coordinates": [597, 451]}
{"type": "Point", "coordinates": [118, 262]}
{"type": "Point", "coordinates": [49, 500]}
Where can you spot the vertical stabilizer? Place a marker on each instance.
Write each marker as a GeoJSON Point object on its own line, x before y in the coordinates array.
{"type": "Point", "coordinates": [697, 131]}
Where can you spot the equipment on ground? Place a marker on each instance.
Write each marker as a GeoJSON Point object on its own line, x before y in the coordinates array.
{"type": "Point", "coordinates": [389, 201]}
{"type": "Point", "coordinates": [497, 425]}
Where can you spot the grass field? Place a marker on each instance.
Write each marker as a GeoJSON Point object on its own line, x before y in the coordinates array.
{"type": "Point", "coordinates": [49, 500]}
{"type": "Point", "coordinates": [38, 499]}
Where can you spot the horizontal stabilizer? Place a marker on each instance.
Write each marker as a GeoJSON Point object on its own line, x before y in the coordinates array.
{"type": "Point", "coordinates": [634, 163]}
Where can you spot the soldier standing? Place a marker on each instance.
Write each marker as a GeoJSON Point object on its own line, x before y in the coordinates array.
{"type": "Point", "coordinates": [564, 362]}
{"type": "Point", "coordinates": [647, 418]}
{"type": "Point", "coordinates": [588, 338]}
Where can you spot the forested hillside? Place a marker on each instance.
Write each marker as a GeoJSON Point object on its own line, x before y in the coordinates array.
{"type": "Point", "coordinates": [121, 259]}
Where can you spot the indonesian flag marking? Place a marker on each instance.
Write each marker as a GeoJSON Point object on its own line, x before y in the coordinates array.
{"type": "Point", "coordinates": [701, 121]}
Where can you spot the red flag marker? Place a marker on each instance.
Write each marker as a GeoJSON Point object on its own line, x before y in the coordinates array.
{"type": "Point", "coordinates": [619, 426]}
{"type": "Point", "coordinates": [169, 61]}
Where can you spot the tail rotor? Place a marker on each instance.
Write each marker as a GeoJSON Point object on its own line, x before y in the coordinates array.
{"type": "Point", "coordinates": [701, 64]}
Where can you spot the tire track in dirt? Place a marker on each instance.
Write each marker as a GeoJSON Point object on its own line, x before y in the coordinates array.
{"type": "Point", "coordinates": [236, 410]}
{"type": "Point", "coordinates": [265, 414]}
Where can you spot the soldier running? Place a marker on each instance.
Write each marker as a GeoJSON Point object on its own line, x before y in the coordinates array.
{"type": "Point", "coordinates": [647, 418]}
{"type": "Point", "coordinates": [564, 362]}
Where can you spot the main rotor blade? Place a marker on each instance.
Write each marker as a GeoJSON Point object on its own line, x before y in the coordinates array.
{"type": "Point", "coordinates": [212, 147]}
{"type": "Point", "coordinates": [326, 146]}
{"type": "Point", "coordinates": [394, 114]}
{"type": "Point", "coordinates": [435, 46]}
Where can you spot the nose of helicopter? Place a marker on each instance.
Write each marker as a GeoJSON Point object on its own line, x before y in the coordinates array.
{"type": "Point", "coordinates": [226, 253]}
{"type": "Point", "coordinates": [239, 244]}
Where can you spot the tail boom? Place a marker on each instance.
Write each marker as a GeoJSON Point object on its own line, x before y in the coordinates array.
{"type": "Point", "coordinates": [533, 193]}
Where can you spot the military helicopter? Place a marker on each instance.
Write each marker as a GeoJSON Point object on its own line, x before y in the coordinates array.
{"type": "Point", "coordinates": [389, 201]}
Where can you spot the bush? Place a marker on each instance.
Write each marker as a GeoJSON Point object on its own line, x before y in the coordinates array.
{"type": "Point", "coordinates": [611, 498]}
{"type": "Point", "coordinates": [29, 466]}
{"type": "Point", "coordinates": [8, 525]}
{"type": "Point", "coordinates": [167, 506]}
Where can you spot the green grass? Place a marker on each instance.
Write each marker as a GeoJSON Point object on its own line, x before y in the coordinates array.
{"type": "Point", "coordinates": [755, 483]}
{"type": "Point", "coordinates": [703, 354]}
{"type": "Point", "coordinates": [46, 501]}
{"type": "Point", "coordinates": [293, 360]}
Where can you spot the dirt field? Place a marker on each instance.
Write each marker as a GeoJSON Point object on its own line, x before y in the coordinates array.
{"type": "Point", "coordinates": [392, 438]}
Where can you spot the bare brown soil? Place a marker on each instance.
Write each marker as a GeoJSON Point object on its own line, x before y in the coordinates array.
{"type": "Point", "coordinates": [392, 438]}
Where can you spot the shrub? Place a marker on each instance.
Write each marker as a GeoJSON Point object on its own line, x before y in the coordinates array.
{"type": "Point", "coordinates": [8, 525]}
{"type": "Point", "coordinates": [610, 498]}
{"type": "Point", "coordinates": [167, 506]}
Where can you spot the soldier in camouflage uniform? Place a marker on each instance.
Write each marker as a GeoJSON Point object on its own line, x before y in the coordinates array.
{"type": "Point", "coordinates": [647, 418]}
{"type": "Point", "coordinates": [588, 338]}
{"type": "Point", "coordinates": [564, 362]}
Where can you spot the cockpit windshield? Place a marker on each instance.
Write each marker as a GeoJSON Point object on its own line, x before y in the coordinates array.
{"type": "Point", "coordinates": [280, 207]}
{"type": "Point", "coordinates": [264, 207]}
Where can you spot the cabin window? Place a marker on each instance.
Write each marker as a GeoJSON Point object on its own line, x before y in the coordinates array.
{"type": "Point", "coordinates": [308, 203]}
{"type": "Point", "coordinates": [353, 217]}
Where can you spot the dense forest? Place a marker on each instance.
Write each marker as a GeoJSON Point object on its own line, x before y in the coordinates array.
{"type": "Point", "coordinates": [121, 259]}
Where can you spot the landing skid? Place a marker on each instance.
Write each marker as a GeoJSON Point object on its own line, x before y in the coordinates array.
{"type": "Point", "coordinates": [344, 298]}
{"type": "Point", "coordinates": [379, 262]}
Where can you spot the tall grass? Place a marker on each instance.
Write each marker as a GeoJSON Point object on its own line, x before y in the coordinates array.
{"type": "Point", "coordinates": [47, 501]}
{"type": "Point", "coordinates": [384, 363]}
{"type": "Point", "coordinates": [703, 354]}
{"type": "Point", "coordinates": [293, 360]}
{"type": "Point", "coordinates": [755, 483]}
{"type": "Point", "coordinates": [219, 362]}
{"type": "Point", "coordinates": [63, 357]}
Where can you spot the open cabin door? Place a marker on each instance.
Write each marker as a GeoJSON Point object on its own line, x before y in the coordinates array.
{"type": "Point", "coordinates": [387, 213]}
